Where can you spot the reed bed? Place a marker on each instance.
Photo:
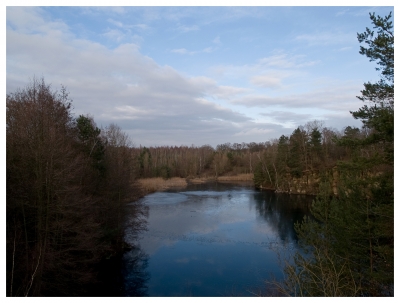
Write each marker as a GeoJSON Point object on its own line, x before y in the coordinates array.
{"type": "Point", "coordinates": [239, 177]}
{"type": "Point", "coordinates": [200, 180]}
{"type": "Point", "coordinates": [150, 185]}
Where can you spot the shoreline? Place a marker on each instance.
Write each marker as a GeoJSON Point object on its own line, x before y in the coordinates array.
{"type": "Point", "coordinates": [151, 185]}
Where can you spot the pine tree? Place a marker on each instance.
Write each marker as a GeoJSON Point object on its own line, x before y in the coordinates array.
{"type": "Point", "coordinates": [350, 245]}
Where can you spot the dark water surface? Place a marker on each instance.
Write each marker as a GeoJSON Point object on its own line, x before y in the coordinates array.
{"type": "Point", "coordinates": [211, 240]}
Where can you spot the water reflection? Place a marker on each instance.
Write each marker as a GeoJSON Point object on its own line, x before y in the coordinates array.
{"type": "Point", "coordinates": [135, 273]}
{"type": "Point", "coordinates": [135, 260]}
{"type": "Point", "coordinates": [209, 240]}
{"type": "Point", "coordinates": [281, 211]}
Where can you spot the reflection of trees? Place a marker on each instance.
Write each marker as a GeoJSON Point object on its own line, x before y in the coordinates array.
{"type": "Point", "coordinates": [136, 221]}
{"type": "Point", "coordinates": [281, 211]}
{"type": "Point", "coordinates": [135, 261]}
{"type": "Point", "coordinates": [114, 272]}
{"type": "Point", "coordinates": [134, 272]}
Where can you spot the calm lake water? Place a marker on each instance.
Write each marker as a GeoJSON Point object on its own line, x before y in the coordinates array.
{"type": "Point", "coordinates": [211, 240]}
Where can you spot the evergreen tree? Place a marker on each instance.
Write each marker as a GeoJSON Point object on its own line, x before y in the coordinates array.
{"type": "Point", "coordinates": [351, 241]}
{"type": "Point", "coordinates": [297, 152]}
{"type": "Point", "coordinates": [92, 143]}
{"type": "Point", "coordinates": [378, 114]}
{"type": "Point", "coordinates": [315, 146]}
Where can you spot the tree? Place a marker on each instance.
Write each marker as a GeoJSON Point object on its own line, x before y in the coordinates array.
{"type": "Point", "coordinates": [351, 242]}
{"type": "Point", "coordinates": [298, 152]}
{"type": "Point", "coordinates": [368, 179]}
{"type": "Point", "coordinates": [117, 184]}
{"type": "Point", "coordinates": [92, 143]}
{"type": "Point", "coordinates": [51, 229]}
{"type": "Point", "coordinates": [66, 187]}
{"type": "Point", "coordinates": [378, 115]}
{"type": "Point", "coordinates": [315, 147]}
{"type": "Point", "coordinates": [145, 162]}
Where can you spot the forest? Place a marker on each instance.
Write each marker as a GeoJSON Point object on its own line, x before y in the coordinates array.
{"type": "Point", "coordinates": [67, 182]}
{"type": "Point", "coordinates": [311, 148]}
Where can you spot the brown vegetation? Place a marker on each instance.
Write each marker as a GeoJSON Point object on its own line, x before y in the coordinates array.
{"type": "Point", "coordinates": [67, 182]}
{"type": "Point", "coordinates": [239, 177]}
{"type": "Point", "coordinates": [150, 185]}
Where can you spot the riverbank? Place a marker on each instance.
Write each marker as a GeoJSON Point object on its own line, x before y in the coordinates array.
{"type": "Point", "coordinates": [151, 185]}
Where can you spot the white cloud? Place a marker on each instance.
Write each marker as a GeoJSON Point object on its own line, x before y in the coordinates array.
{"type": "Point", "coordinates": [208, 50]}
{"type": "Point", "coordinates": [141, 26]}
{"type": "Point", "coordinates": [124, 87]}
{"type": "Point", "coordinates": [182, 51]}
{"type": "Point", "coordinates": [345, 48]}
{"type": "Point", "coordinates": [116, 23]}
{"type": "Point", "coordinates": [283, 60]}
{"type": "Point", "coordinates": [326, 38]}
{"type": "Point", "coordinates": [114, 34]}
{"type": "Point", "coordinates": [287, 116]}
{"type": "Point", "coordinates": [268, 71]}
{"type": "Point", "coordinates": [277, 61]}
{"type": "Point", "coordinates": [267, 81]}
{"type": "Point", "coordinates": [338, 97]}
{"type": "Point", "coordinates": [228, 92]}
{"type": "Point", "coordinates": [342, 12]}
{"type": "Point", "coordinates": [255, 131]}
{"type": "Point", "coordinates": [28, 20]}
{"type": "Point", "coordinates": [217, 40]}
{"type": "Point", "coordinates": [118, 9]}
{"type": "Point", "coordinates": [186, 28]}
{"type": "Point", "coordinates": [155, 103]}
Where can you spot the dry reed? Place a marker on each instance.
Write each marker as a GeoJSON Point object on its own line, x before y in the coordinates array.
{"type": "Point", "coordinates": [150, 185]}
{"type": "Point", "coordinates": [159, 184]}
{"type": "Point", "coordinates": [239, 177]}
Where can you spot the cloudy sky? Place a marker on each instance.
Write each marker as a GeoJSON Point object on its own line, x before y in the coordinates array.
{"type": "Point", "coordinates": [196, 75]}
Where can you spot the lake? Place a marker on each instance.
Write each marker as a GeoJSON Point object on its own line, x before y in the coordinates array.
{"type": "Point", "coordinates": [213, 239]}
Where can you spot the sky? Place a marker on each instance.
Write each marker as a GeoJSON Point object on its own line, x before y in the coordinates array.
{"type": "Point", "coordinates": [196, 75]}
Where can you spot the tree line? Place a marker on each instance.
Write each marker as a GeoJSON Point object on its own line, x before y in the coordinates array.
{"type": "Point", "coordinates": [67, 182]}
{"type": "Point", "coordinates": [310, 147]}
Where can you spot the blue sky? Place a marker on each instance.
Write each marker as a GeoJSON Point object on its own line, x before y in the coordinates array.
{"type": "Point", "coordinates": [196, 75]}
